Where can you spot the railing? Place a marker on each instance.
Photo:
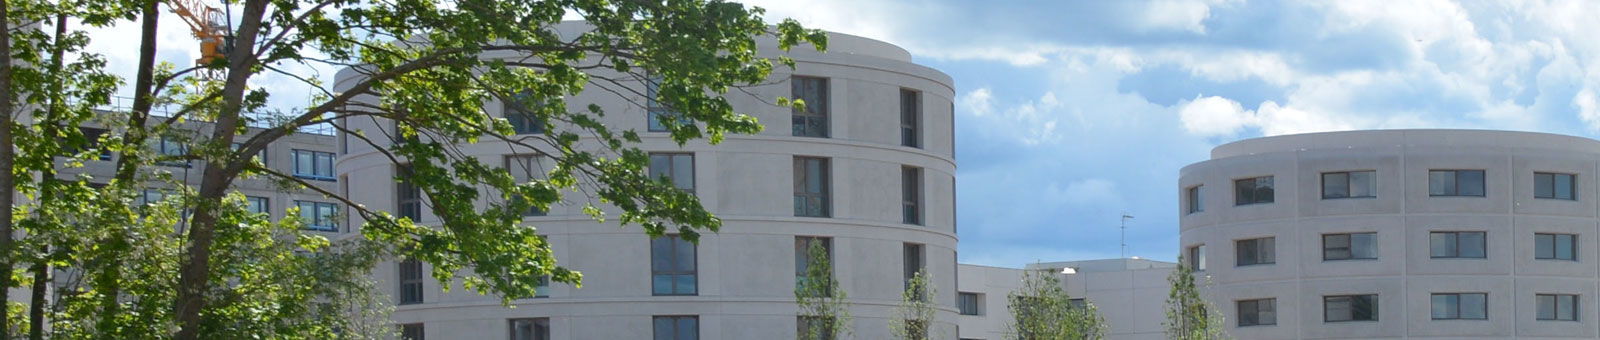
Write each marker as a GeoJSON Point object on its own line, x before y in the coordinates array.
{"type": "Point", "coordinates": [260, 120]}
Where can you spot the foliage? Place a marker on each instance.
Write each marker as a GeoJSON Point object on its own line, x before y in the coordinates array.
{"type": "Point", "coordinates": [914, 315]}
{"type": "Point", "coordinates": [822, 303]}
{"type": "Point", "coordinates": [197, 265]}
{"type": "Point", "coordinates": [1188, 315]}
{"type": "Point", "coordinates": [1042, 310]}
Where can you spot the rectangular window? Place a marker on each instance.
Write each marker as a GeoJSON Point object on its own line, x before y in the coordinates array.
{"type": "Point", "coordinates": [1196, 203]}
{"type": "Point", "coordinates": [1555, 246]}
{"type": "Point", "coordinates": [1341, 308]}
{"type": "Point", "coordinates": [521, 111]}
{"type": "Point", "coordinates": [169, 147]}
{"type": "Point", "coordinates": [530, 329]}
{"type": "Point", "coordinates": [911, 195]}
{"type": "Point", "coordinates": [912, 256]}
{"type": "Point", "coordinates": [1557, 307]}
{"type": "Point", "coordinates": [811, 187]}
{"type": "Point", "coordinates": [1555, 186]}
{"type": "Point", "coordinates": [803, 259]}
{"type": "Point", "coordinates": [677, 328]}
{"type": "Point", "coordinates": [258, 205]}
{"type": "Point", "coordinates": [410, 281]}
{"type": "Point", "coordinates": [315, 165]}
{"type": "Point", "coordinates": [408, 197]}
{"type": "Point", "coordinates": [659, 113]}
{"type": "Point", "coordinates": [677, 168]}
{"type": "Point", "coordinates": [412, 331]}
{"type": "Point", "coordinates": [261, 156]}
{"type": "Point", "coordinates": [1350, 184]}
{"type": "Point", "coordinates": [910, 118]}
{"type": "Point", "coordinates": [320, 216]}
{"type": "Point", "coordinates": [1460, 306]}
{"type": "Point", "coordinates": [813, 328]}
{"type": "Point", "coordinates": [1197, 257]}
{"type": "Point", "coordinates": [1457, 244]}
{"type": "Point", "coordinates": [1256, 251]}
{"type": "Point", "coordinates": [1455, 183]}
{"type": "Point", "coordinates": [91, 141]}
{"type": "Point", "coordinates": [672, 266]}
{"type": "Point", "coordinates": [1258, 312]}
{"type": "Point", "coordinates": [1253, 190]}
{"type": "Point", "coordinates": [968, 302]}
{"type": "Point", "coordinates": [1352, 246]}
{"type": "Point", "coordinates": [813, 120]}
{"type": "Point", "coordinates": [524, 169]}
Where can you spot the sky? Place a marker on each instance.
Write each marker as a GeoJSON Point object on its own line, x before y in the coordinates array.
{"type": "Point", "coordinates": [1071, 113]}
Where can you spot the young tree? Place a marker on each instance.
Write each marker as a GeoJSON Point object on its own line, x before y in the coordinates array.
{"type": "Point", "coordinates": [1190, 317]}
{"type": "Point", "coordinates": [227, 273]}
{"type": "Point", "coordinates": [823, 314]}
{"type": "Point", "coordinates": [1042, 310]}
{"type": "Point", "coordinates": [914, 316]}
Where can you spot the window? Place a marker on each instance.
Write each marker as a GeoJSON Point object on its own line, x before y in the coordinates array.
{"type": "Point", "coordinates": [1255, 251]}
{"type": "Point", "coordinates": [410, 281]}
{"type": "Point", "coordinates": [911, 195]}
{"type": "Point", "coordinates": [1555, 247]}
{"type": "Point", "coordinates": [261, 156]}
{"type": "Point", "coordinates": [1196, 203]}
{"type": "Point", "coordinates": [910, 118]}
{"type": "Point", "coordinates": [672, 266]}
{"type": "Point", "coordinates": [412, 331]}
{"type": "Point", "coordinates": [1341, 308]}
{"type": "Point", "coordinates": [1077, 303]}
{"type": "Point", "coordinates": [1350, 184]}
{"type": "Point", "coordinates": [91, 141]}
{"type": "Point", "coordinates": [912, 257]}
{"type": "Point", "coordinates": [1460, 306]}
{"type": "Point", "coordinates": [408, 197]}
{"type": "Point", "coordinates": [811, 187]}
{"type": "Point", "coordinates": [170, 147]}
{"type": "Point", "coordinates": [675, 167]}
{"type": "Point", "coordinates": [1258, 312]}
{"type": "Point", "coordinates": [1455, 183]}
{"type": "Point", "coordinates": [258, 205]}
{"type": "Point", "coordinates": [1555, 186]}
{"type": "Point", "coordinates": [1557, 307]}
{"type": "Point", "coordinates": [1457, 244]}
{"type": "Point", "coordinates": [803, 259]}
{"type": "Point", "coordinates": [1252, 190]}
{"type": "Point", "coordinates": [530, 329]}
{"type": "Point", "coordinates": [814, 328]}
{"type": "Point", "coordinates": [315, 165]}
{"type": "Point", "coordinates": [968, 302]}
{"type": "Point", "coordinates": [659, 113]}
{"type": "Point", "coordinates": [150, 196]}
{"type": "Point", "coordinates": [1197, 257]}
{"type": "Point", "coordinates": [524, 169]}
{"type": "Point", "coordinates": [677, 328]}
{"type": "Point", "coordinates": [813, 120]}
{"type": "Point", "coordinates": [1352, 246]}
{"type": "Point", "coordinates": [319, 215]}
{"type": "Point", "coordinates": [519, 110]}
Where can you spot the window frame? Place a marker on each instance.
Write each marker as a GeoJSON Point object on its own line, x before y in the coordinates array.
{"type": "Point", "coordinates": [407, 196]}
{"type": "Point", "coordinates": [1555, 246]}
{"type": "Point", "coordinates": [913, 260]}
{"type": "Point", "coordinates": [1484, 246]}
{"type": "Point", "coordinates": [671, 170]}
{"type": "Point", "coordinates": [1350, 184]}
{"type": "Point", "coordinates": [1572, 186]}
{"type": "Point", "coordinates": [513, 165]}
{"type": "Point", "coordinates": [168, 146]}
{"type": "Point", "coordinates": [317, 216]}
{"type": "Point", "coordinates": [1256, 307]}
{"type": "Point", "coordinates": [1372, 301]}
{"type": "Point", "coordinates": [1350, 246]}
{"type": "Point", "coordinates": [672, 242]}
{"type": "Point", "coordinates": [1196, 257]}
{"type": "Point", "coordinates": [1272, 255]}
{"type": "Point", "coordinates": [1254, 196]}
{"type": "Point", "coordinates": [654, 110]}
{"type": "Point", "coordinates": [676, 323]}
{"type": "Point", "coordinates": [1195, 200]}
{"type": "Point", "coordinates": [1458, 310]}
{"type": "Point", "coordinates": [525, 122]}
{"type": "Point", "coordinates": [410, 276]}
{"type": "Point", "coordinates": [812, 112]}
{"type": "Point", "coordinates": [911, 195]}
{"type": "Point", "coordinates": [1456, 180]}
{"type": "Point", "coordinates": [803, 258]}
{"type": "Point", "coordinates": [802, 183]}
{"type": "Point", "coordinates": [1575, 305]}
{"type": "Point", "coordinates": [266, 205]}
{"type": "Point", "coordinates": [964, 300]}
{"type": "Point", "coordinates": [413, 331]}
{"type": "Point", "coordinates": [260, 155]}
{"type": "Point", "coordinates": [91, 141]}
{"type": "Point", "coordinates": [534, 330]}
{"type": "Point", "coordinates": [317, 159]}
{"type": "Point", "coordinates": [804, 323]}
{"type": "Point", "coordinates": [910, 118]}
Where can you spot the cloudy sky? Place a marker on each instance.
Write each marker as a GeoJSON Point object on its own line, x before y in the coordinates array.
{"type": "Point", "coordinates": [1070, 113]}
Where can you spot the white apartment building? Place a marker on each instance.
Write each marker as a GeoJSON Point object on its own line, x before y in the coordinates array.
{"type": "Point", "coordinates": [1129, 293]}
{"type": "Point", "coordinates": [1416, 234]}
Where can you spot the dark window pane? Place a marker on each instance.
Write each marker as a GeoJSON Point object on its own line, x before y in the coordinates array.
{"type": "Point", "coordinates": [1335, 185]}
{"type": "Point", "coordinates": [1471, 182]}
{"type": "Point", "coordinates": [1544, 185]}
{"type": "Point", "coordinates": [1364, 184]}
{"type": "Point", "coordinates": [1442, 183]}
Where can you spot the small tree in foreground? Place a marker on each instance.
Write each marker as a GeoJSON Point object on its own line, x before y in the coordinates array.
{"type": "Point", "coordinates": [823, 313]}
{"type": "Point", "coordinates": [1042, 310]}
{"type": "Point", "coordinates": [1188, 315]}
{"type": "Point", "coordinates": [913, 319]}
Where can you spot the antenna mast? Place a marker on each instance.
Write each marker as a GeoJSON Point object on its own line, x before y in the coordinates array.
{"type": "Point", "coordinates": [1125, 218]}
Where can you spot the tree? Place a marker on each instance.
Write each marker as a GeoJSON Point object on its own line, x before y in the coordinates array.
{"type": "Point", "coordinates": [1190, 317]}
{"type": "Point", "coordinates": [823, 314]}
{"type": "Point", "coordinates": [914, 315]}
{"type": "Point", "coordinates": [226, 272]}
{"type": "Point", "coordinates": [1042, 310]}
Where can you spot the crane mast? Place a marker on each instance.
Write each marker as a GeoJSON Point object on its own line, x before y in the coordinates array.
{"type": "Point", "coordinates": [209, 25]}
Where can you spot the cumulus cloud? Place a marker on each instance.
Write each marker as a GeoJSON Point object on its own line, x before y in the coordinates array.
{"type": "Point", "coordinates": [1032, 122]}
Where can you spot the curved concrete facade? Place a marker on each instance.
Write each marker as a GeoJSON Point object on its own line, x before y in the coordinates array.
{"type": "Point", "coordinates": [1423, 218]}
{"type": "Point", "coordinates": [745, 273]}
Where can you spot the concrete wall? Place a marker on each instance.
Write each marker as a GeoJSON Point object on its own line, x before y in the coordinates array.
{"type": "Point", "coordinates": [1129, 294]}
{"type": "Point", "coordinates": [1403, 215]}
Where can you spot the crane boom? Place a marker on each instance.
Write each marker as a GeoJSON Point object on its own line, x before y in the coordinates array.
{"type": "Point", "coordinates": [209, 25]}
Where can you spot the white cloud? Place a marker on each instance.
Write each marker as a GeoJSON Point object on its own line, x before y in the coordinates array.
{"type": "Point", "coordinates": [1187, 15]}
{"type": "Point", "coordinates": [1588, 108]}
{"type": "Point", "coordinates": [1214, 115]}
{"type": "Point", "coordinates": [1032, 122]}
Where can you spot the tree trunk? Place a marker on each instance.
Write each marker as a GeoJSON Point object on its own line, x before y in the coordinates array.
{"type": "Point", "coordinates": [8, 185]}
{"type": "Point", "coordinates": [110, 277]}
{"type": "Point", "coordinates": [194, 275]}
{"type": "Point", "coordinates": [41, 268]}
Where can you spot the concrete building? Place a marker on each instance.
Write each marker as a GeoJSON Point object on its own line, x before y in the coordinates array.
{"type": "Point", "coordinates": [1398, 234]}
{"type": "Point", "coordinates": [869, 174]}
{"type": "Point", "coordinates": [1128, 293]}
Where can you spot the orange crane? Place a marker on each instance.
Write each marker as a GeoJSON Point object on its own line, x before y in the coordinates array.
{"type": "Point", "coordinates": [210, 25]}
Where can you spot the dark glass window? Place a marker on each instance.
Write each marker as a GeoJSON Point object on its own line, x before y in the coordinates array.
{"type": "Point", "coordinates": [320, 216]}
{"type": "Point", "coordinates": [1455, 183]}
{"type": "Point", "coordinates": [410, 281]}
{"type": "Point", "coordinates": [1256, 251]}
{"type": "Point", "coordinates": [259, 205]}
{"type": "Point", "coordinates": [1253, 190]}
{"type": "Point", "coordinates": [1555, 186]}
{"type": "Point", "coordinates": [811, 187]}
{"type": "Point", "coordinates": [408, 197]}
{"type": "Point", "coordinates": [1460, 306]}
{"type": "Point", "coordinates": [968, 303]}
{"type": "Point", "coordinates": [813, 120]}
{"type": "Point", "coordinates": [1350, 308]}
{"type": "Point", "coordinates": [524, 169]}
{"type": "Point", "coordinates": [412, 331]}
{"type": "Point", "coordinates": [1557, 307]}
{"type": "Point", "coordinates": [678, 327]}
{"type": "Point", "coordinates": [675, 167]}
{"type": "Point", "coordinates": [315, 165]}
{"type": "Point", "coordinates": [521, 110]}
{"type": "Point", "coordinates": [802, 255]}
{"type": "Point", "coordinates": [1457, 244]}
{"type": "Point", "coordinates": [672, 266]}
{"type": "Point", "coordinates": [1555, 246]}
{"type": "Point", "coordinates": [1350, 184]}
{"type": "Point", "coordinates": [659, 113]}
{"type": "Point", "coordinates": [911, 195]}
{"type": "Point", "coordinates": [1196, 202]}
{"type": "Point", "coordinates": [530, 329]}
{"type": "Point", "coordinates": [1352, 246]}
{"type": "Point", "coordinates": [912, 257]}
{"type": "Point", "coordinates": [1197, 257]}
{"type": "Point", "coordinates": [910, 118]}
{"type": "Point", "coordinates": [1258, 312]}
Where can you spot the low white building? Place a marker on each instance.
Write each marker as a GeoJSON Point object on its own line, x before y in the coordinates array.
{"type": "Point", "coordinates": [1129, 294]}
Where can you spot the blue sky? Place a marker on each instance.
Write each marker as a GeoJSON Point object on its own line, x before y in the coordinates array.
{"type": "Point", "coordinates": [1069, 113]}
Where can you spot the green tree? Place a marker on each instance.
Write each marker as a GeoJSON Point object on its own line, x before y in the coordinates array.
{"type": "Point", "coordinates": [1190, 317]}
{"type": "Point", "coordinates": [914, 316]}
{"type": "Point", "coordinates": [227, 273]}
{"type": "Point", "coordinates": [823, 314]}
{"type": "Point", "coordinates": [1042, 310]}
